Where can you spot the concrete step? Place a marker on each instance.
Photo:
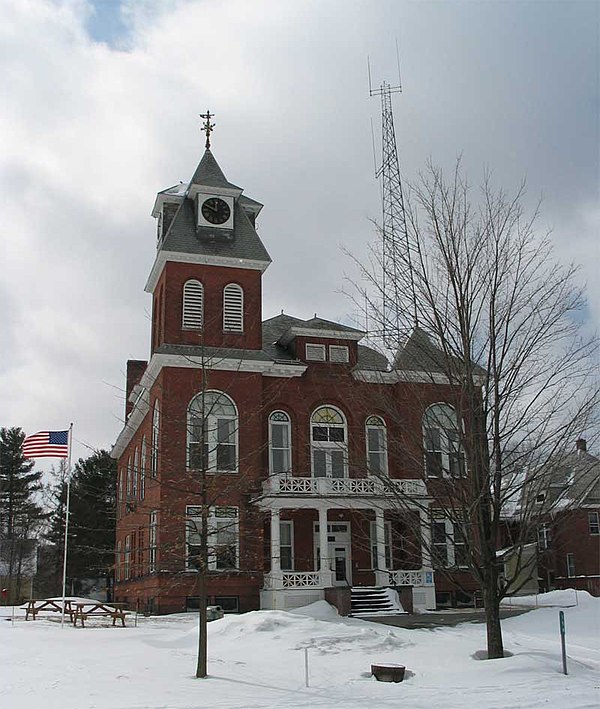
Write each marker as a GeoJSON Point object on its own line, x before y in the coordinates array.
{"type": "Point", "coordinates": [370, 600]}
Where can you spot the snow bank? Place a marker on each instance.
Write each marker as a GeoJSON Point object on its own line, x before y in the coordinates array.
{"type": "Point", "coordinates": [258, 660]}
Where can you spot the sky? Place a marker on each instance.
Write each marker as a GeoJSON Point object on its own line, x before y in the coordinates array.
{"type": "Point", "coordinates": [100, 111]}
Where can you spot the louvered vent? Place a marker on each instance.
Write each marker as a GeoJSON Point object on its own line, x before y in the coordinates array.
{"type": "Point", "coordinates": [193, 304]}
{"type": "Point", "coordinates": [233, 308]}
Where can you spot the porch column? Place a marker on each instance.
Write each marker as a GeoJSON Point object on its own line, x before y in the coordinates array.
{"type": "Point", "coordinates": [380, 539]}
{"type": "Point", "coordinates": [275, 544]}
{"type": "Point", "coordinates": [325, 567]}
{"type": "Point", "coordinates": [425, 538]}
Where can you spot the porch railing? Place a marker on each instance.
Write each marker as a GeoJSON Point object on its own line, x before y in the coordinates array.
{"type": "Point", "coordinates": [297, 579]}
{"type": "Point", "coordinates": [402, 577]}
{"type": "Point", "coordinates": [343, 487]}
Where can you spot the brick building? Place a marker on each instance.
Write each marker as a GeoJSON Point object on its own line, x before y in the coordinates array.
{"type": "Point", "coordinates": [569, 536]}
{"type": "Point", "coordinates": [301, 435]}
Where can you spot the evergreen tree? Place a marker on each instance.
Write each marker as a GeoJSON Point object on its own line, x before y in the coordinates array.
{"type": "Point", "coordinates": [92, 518]}
{"type": "Point", "coordinates": [19, 512]}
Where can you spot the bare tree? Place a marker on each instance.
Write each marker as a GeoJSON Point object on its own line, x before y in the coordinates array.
{"type": "Point", "coordinates": [498, 331]}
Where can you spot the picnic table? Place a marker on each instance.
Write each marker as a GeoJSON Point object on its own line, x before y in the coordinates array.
{"type": "Point", "coordinates": [52, 605]}
{"type": "Point", "coordinates": [96, 609]}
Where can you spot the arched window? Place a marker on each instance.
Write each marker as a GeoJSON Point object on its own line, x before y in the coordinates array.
{"type": "Point", "coordinates": [233, 308]}
{"type": "Point", "coordinates": [212, 433]}
{"type": "Point", "coordinates": [143, 468]}
{"type": "Point", "coordinates": [280, 443]}
{"type": "Point", "coordinates": [329, 443]}
{"type": "Point", "coordinates": [443, 454]}
{"type": "Point", "coordinates": [129, 477]}
{"type": "Point", "coordinates": [136, 473]}
{"type": "Point", "coordinates": [155, 439]}
{"type": "Point", "coordinates": [193, 305]}
{"type": "Point", "coordinates": [377, 461]}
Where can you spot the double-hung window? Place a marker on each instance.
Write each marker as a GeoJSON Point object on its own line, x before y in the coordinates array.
{"type": "Point", "coordinates": [212, 433]}
{"type": "Point", "coordinates": [377, 462]}
{"type": "Point", "coordinates": [143, 468]}
{"type": "Point", "coordinates": [222, 542]}
{"type": "Point", "coordinates": [388, 544]}
{"type": "Point", "coordinates": [286, 545]}
{"type": "Point", "coordinates": [594, 523]}
{"type": "Point", "coordinates": [329, 443]}
{"type": "Point", "coordinates": [155, 439]}
{"type": "Point", "coordinates": [448, 542]}
{"type": "Point", "coordinates": [280, 443]}
{"type": "Point", "coordinates": [441, 437]}
{"type": "Point", "coordinates": [135, 473]}
{"type": "Point", "coordinates": [152, 541]}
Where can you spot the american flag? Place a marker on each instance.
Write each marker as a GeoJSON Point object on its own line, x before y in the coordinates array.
{"type": "Point", "coordinates": [47, 444]}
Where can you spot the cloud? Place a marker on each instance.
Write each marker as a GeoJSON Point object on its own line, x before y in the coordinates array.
{"type": "Point", "coordinates": [91, 130]}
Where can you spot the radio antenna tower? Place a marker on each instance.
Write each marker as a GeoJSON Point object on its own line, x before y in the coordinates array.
{"type": "Point", "coordinates": [397, 250]}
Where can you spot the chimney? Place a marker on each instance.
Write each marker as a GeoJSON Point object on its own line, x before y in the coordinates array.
{"type": "Point", "coordinates": [581, 446]}
{"type": "Point", "coordinates": [135, 370]}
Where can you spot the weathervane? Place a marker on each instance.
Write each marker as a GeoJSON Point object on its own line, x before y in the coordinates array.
{"type": "Point", "coordinates": [207, 126]}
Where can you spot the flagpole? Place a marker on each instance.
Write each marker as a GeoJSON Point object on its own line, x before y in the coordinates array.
{"type": "Point", "coordinates": [64, 578]}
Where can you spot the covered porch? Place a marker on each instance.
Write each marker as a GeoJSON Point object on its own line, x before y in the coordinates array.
{"type": "Point", "coordinates": [341, 534]}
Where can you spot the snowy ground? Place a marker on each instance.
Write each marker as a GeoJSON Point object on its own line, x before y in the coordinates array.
{"type": "Point", "coordinates": [257, 660]}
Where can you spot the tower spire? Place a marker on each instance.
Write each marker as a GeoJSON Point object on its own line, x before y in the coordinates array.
{"type": "Point", "coordinates": [398, 250]}
{"type": "Point", "coordinates": [207, 126]}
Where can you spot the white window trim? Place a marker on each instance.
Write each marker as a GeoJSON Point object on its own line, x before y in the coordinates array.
{"type": "Point", "coordinates": [233, 313]}
{"type": "Point", "coordinates": [192, 311]}
{"type": "Point", "coordinates": [449, 541]}
{"type": "Point", "coordinates": [152, 541]}
{"type": "Point", "coordinates": [594, 524]}
{"type": "Point", "coordinates": [340, 354]}
{"type": "Point", "coordinates": [288, 424]}
{"type": "Point", "coordinates": [380, 427]}
{"type": "Point", "coordinates": [311, 349]}
{"type": "Point", "coordinates": [445, 444]}
{"type": "Point", "coordinates": [129, 478]}
{"type": "Point", "coordinates": [544, 536]}
{"type": "Point", "coordinates": [212, 432]}
{"type": "Point", "coordinates": [155, 437]}
{"type": "Point", "coordinates": [329, 446]}
{"type": "Point", "coordinates": [142, 468]}
{"type": "Point", "coordinates": [191, 527]}
{"type": "Point", "coordinates": [290, 524]}
{"type": "Point", "coordinates": [388, 544]}
{"type": "Point", "coordinates": [135, 474]}
{"type": "Point", "coordinates": [127, 559]}
{"type": "Point", "coordinates": [119, 560]}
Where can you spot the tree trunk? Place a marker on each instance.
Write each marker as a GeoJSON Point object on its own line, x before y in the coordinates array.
{"type": "Point", "coordinates": [201, 669]}
{"type": "Point", "coordinates": [491, 600]}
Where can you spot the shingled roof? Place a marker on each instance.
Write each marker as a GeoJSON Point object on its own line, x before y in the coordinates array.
{"type": "Point", "coordinates": [209, 174]}
{"type": "Point", "coordinates": [241, 242]}
{"type": "Point", "coordinates": [419, 354]}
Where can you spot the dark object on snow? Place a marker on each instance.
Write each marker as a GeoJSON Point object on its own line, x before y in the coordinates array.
{"type": "Point", "coordinates": [388, 672]}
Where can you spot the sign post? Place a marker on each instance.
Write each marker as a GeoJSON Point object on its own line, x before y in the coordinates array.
{"type": "Point", "coordinates": [561, 620]}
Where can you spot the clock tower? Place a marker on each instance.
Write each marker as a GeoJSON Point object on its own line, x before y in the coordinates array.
{"type": "Point", "coordinates": [206, 278]}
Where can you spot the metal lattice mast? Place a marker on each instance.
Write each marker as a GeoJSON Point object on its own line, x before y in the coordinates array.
{"type": "Point", "coordinates": [397, 251]}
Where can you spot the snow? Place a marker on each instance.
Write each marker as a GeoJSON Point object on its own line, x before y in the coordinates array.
{"type": "Point", "coordinates": [256, 660]}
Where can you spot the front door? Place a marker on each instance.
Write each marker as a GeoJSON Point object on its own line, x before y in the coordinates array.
{"type": "Point", "coordinates": [338, 538]}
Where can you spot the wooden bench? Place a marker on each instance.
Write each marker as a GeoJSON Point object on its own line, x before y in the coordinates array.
{"type": "Point", "coordinates": [97, 609]}
{"type": "Point", "coordinates": [44, 605]}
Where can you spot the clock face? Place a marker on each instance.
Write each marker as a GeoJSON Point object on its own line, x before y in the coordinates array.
{"type": "Point", "coordinates": [215, 210]}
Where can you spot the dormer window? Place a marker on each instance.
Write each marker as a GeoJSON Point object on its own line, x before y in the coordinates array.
{"type": "Point", "coordinates": [233, 308]}
{"type": "Point", "coordinates": [315, 353]}
{"type": "Point", "coordinates": [193, 305]}
{"type": "Point", "coordinates": [338, 353]}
